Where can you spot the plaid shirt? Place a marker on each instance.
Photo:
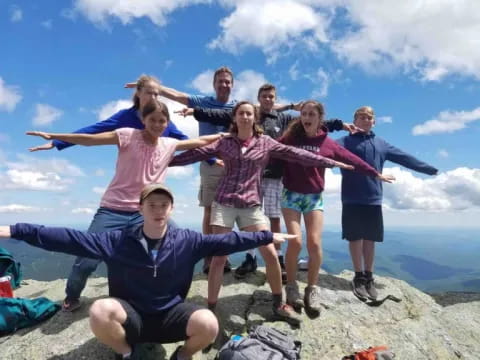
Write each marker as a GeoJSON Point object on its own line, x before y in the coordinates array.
{"type": "Point", "coordinates": [240, 186]}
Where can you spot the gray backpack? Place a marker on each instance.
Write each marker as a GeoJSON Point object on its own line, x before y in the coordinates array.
{"type": "Point", "coordinates": [261, 343]}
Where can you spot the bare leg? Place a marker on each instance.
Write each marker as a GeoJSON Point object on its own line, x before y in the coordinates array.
{"type": "Point", "coordinates": [292, 221]}
{"type": "Point", "coordinates": [356, 253]}
{"type": "Point", "coordinates": [368, 254]}
{"type": "Point", "coordinates": [314, 227]}
{"type": "Point", "coordinates": [106, 319]}
{"type": "Point", "coordinates": [206, 227]}
{"type": "Point", "coordinates": [275, 227]}
{"type": "Point", "coordinates": [202, 329]}
{"type": "Point", "coordinates": [274, 272]}
{"type": "Point", "coordinates": [215, 275]}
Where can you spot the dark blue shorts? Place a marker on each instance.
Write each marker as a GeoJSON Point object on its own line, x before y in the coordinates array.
{"type": "Point", "coordinates": [362, 222]}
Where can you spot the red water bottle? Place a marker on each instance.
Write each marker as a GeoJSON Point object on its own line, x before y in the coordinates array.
{"type": "Point", "coordinates": [5, 287]}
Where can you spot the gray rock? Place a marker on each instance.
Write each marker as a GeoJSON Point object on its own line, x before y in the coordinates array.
{"type": "Point", "coordinates": [421, 326]}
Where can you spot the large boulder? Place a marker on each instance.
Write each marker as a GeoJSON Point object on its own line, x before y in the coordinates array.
{"type": "Point", "coordinates": [443, 326]}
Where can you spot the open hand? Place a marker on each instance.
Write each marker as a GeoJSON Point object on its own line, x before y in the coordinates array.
{"type": "Point", "coordinates": [279, 238]}
{"type": "Point", "coordinates": [47, 146]}
{"type": "Point", "coordinates": [42, 134]}
{"type": "Point", "coordinates": [386, 178]}
{"type": "Point", "coordinates": [184, 112]}
{"type": "Point", "coordinates": [352, 128]}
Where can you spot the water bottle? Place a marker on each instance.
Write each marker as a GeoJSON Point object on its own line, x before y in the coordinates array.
{"type": "Point", "coordinates": [6, 287]}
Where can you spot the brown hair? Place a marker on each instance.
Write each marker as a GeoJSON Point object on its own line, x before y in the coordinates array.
{"type": "Point", "coordinates": [142, 81]}
{"type": "Point", "coordinates": [295, 130]}
{"type": "Point", "coordinates": [265, 87]}
{"type": "Point", "coordinates": [153, 106]}
{"type": "Point", "coordinates": [223, 69]}
{"type": "Point", "coordinates": [257, 130]}
{"type": "Point", "coordinates": [364, 110]}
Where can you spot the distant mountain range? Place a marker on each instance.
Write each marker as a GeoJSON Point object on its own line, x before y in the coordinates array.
{"type": "Point", "coordinates": [431, 260]}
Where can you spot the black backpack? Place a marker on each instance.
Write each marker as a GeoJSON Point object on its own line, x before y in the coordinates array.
{"type": "Point", "coordinates": [261, 343]}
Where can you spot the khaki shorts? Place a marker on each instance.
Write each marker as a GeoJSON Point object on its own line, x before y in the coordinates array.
{"type": "Point", "coordinates": [227, 216]}
{"type": "Point", "coordinates": [210, 176]}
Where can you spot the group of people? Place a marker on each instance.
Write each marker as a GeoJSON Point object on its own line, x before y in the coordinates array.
{"type": "Point", "coordinates": [268, 163]}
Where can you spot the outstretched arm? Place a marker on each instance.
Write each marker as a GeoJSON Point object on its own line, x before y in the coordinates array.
{"type": "Point", "coordinates": [108, 138]}
{"type": "Point", "coordinates": [167, 92]}
{"type": "Point", "coordinates": [65, 240]}
{"type": "Point", "coordinates": [198, 142]}
{"type": "Point", "coordinates": [304, 157]}
{"type": "Point", "coordinates": [402, 158]}
{"type": "Point", "coordinates": [193, 155]}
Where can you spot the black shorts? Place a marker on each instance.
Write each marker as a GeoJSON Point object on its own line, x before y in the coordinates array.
{"type": "Point", "coordinates": [164, 327]}
{"type": "Point", "coordinates": [362, 222]}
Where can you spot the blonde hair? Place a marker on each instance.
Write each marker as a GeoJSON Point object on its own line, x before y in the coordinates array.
{"type": "Point", "coordinates": [142, 81]}
{"type": "Point", "coordinates": [364, 110]}
{"type": "Point", "coordinates": [257, 130]}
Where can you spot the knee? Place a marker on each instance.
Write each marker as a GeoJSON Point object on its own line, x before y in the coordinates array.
{"type": "Point", "coordinates": [295, 244]}
{"type": "Point", "coordinates": [104, 310]}
{"type": "Point", "coordinates": [203, 323]}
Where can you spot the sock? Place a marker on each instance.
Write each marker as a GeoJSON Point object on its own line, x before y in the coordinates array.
{"type": "Point", "coordinates": [251, 252]}
{"type": "Point", "coordinates": [369, 274]}
{"type": "Point", "coordinates": [277, 300]}
{"type": "Point", "coordinates": [212, 306]}
{"type": "Point", "coordinates": [358, 274]}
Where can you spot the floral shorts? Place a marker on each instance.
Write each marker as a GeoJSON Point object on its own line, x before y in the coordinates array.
{"type": "Point", "coordinates": [302, 203]}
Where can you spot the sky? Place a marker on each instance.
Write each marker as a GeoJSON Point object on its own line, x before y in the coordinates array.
{"type": "Point", "coordinates": [416, 62]}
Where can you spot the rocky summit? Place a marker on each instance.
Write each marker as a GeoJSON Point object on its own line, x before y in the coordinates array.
{"type": "Point", "coordinates": [421, 326]}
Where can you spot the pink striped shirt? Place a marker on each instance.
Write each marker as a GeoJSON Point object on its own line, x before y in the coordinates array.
{"type": "Point", "coordinates": [240, 186]}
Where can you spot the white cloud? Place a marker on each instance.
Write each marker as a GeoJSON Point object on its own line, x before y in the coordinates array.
{"type": "Point", "coordinates": [98, 190]}
{"type": "Point", "coordinates": [9, 96]}
{"type": "Point", "coordinates": [188, 125]}
{"type": "Point", "coordinates": [271, 25]}
{"type": "Point", "coordinates": [19, 209]}
{"type": "Point", "coordinates": [458, 189]}
{"type": "Point", "coordinates": [246, 85]}
{"type": "Point", "coordinates": [443, 153]}
{"type": "Point", "coordinates": [47, 24]}
{"type": "Point", "coordinates": [447, 122]}
{"type": "Point", "coordinates": [45, 115]}
{"type": "Point", "coordinates": [113, 107]}
{"type": "Point", "coordinates": [83, 211]}
{"type": "Point", "coordinates": [16, 14]}
{"type": "Point", "coordinates": [384, 119]}
{"type": "Point", "coordinates": [56, 165]}
{"type": "Point", "coordinates": [203, 82]}
{"type": "Point", "coordinates": [429, 38]}
{"type": "Point", "coordinates": [180, 172]}
{"type": "Point", "coordinates": [99, 11]}
{"type": "Point", "coordinates": [99, 172]}
{"type": "Point", "coordinates": [333, 183]}
{"type": "Point", "coordinates": [322, 81]}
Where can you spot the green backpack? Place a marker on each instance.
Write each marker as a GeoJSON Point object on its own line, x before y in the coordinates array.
{"type": "Point", "coordinates": [8, 266]}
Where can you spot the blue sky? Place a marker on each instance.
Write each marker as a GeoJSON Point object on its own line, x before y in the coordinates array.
{"type": "Point", "coordinates": [63, 66]}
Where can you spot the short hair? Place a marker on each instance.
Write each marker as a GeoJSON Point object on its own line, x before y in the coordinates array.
{"type": "Point", "coordinates": [223, 69]}
{"type": "Point", "coordinates": [141, 83]}
{"type": "Point", "coordinates": [155, 105]}
{"type": "Point", "coordinates": [364, 110]}
{"type": "Point", "coordinates": [257, 130]}
{"type": "Point", "coordinates": [266, 87]}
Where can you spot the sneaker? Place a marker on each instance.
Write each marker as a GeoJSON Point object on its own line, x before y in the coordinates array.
{"type": "Point", "coordinates": [249, 265]}
{"type": "Point", "coordinates": [371, 290]}
{"type": "Point", "coordinates": [282, 267]}
{"type": "Point", "coordinates": [70, 304]}
{"type": "Point", "coordinates": [287, 313]}
{"type": "Point", "coordinates": [358, 288]}
{"type": "Point", "coordinates": [312, 299]}
{"type": "Point", "coordinates": [293, 296]}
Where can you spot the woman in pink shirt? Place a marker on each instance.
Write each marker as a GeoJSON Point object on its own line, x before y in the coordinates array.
{"type": "Point", "coordinates": [143, 158]}
{"type": "Point", "coordinates": [245, 155]}
{"type": "Point", "coordinates": [302, 194]}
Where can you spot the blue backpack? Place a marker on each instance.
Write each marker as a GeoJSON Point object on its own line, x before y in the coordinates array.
{"type": "Point", "coordinates": [8, 266]}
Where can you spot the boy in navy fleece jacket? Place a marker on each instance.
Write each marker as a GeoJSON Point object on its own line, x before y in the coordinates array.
{"type": "Point", "coordinates": [150, 269]}
{"type": "Point", "coordinates": [362, 219]}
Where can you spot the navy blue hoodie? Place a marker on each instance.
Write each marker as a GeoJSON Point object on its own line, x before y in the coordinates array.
{"type": "Point", "coordinates": [366, 190]}
{"type": "Point", "coordinates": [149, 285]}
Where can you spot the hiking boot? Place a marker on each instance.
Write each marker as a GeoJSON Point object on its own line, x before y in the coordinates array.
{"type": "Point", "coordinates": [282, 267]}
{"type": "Point", "coordinates": [287, 313]}
{"type": "Point", "coordinates": [371, 290]}
{"type": "Point", "coordinates": [312, 299]}
{"type": "Point", "coordinates": [293, 296]}
{"type": "Point", "coordinates": [249, 265]}
{"type": "Point", "coordinates": [70, 304]}
{"type": "Point", "coordinates": [358, 288]}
